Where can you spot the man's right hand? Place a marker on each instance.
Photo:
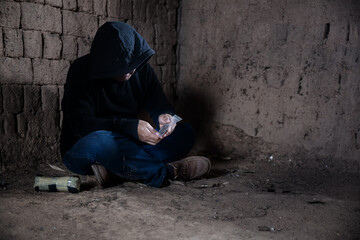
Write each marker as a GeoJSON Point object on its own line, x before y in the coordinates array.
{"type": "Point", "coordinates": [147, 133]}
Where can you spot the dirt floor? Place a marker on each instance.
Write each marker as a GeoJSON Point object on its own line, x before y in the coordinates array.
{"type": "Point", "coordinates": [238, 200]}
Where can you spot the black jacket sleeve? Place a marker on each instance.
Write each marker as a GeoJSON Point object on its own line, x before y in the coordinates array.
{"type": "Point", "coordinates": [79, 107]}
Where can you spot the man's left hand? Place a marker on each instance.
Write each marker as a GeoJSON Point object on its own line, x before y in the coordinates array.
{"type": "Point", "coordinates": [165, 119]}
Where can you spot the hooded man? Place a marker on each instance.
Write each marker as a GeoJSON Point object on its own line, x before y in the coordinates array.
{"type": "Point", "coordinates": [101, 131]}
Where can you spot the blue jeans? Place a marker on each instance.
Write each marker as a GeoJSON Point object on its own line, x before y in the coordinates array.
{"type": "Point", "coordinates": [129, 158]}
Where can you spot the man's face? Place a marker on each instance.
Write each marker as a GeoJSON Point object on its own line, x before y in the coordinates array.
{"type": "Point", "coordinates": [125, 77]}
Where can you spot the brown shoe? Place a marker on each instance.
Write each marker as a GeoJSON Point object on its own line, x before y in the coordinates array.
{"type": "Point", "coordinates": [102, 176]}
{"type": "Point", "coordinates": [191, 167]}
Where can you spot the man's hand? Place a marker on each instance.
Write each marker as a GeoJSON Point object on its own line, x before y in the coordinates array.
{"type": "Point", "coordinates": [147, 133]}
{"type": "Point", "coordinates": [165, 119]}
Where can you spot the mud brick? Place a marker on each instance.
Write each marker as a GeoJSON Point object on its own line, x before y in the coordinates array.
{"type": "Point", "coordinates": [113, 8]}
{"type": "Point", "coordinates": [10, 14]}
{"type": "Point", "coordinates": [85, 5]}
{"type": "Point", "coordinates": [162, 55]}
{"type": "Point", "coordinates": [21, 124]}
{"type": "Point", "coordinates": [157, 70]}
{"type": "Point", "coordinates": [84, 46]}
{"type": "Point", "coordinates": [69, 48]}
{"type": "Point", "coordinates": [161, 15]}
{"type": "Point", "coordinates": [50, 71]}
{"type": "Point", "coordinates": [79, 24]}
{"type": "Point", "coordinates": [13, 98]}
{"type": "Point", "coordinates": [35, 124]}
{"type": "Point", "coordinates": [52, 46]}
{"type": "Point", "coordinates": [172, 17]}
{"type": "Point", "coordinates": [152, 62]}
{"type": "Point", "coordinates": [32, 1]}
{"type": "Point", "coordinates": [13, 43]}
{"type": "Point", "coordinates": [50, 123]}
{"type": "Point", "coordinates": [32, 44]}
{"type": "Point", "coordinates": [100, 7]}
{"type": "Point", "coordinates": [120, 9]}
{"type": "Point", "coordinates": [50, 98]}
{"type": "Point", "coordinates": [32, 98]}
{"type": "Point", "coordinates": [70, 4]}
{"type": "Point", "coordinates": [159, 31]}
{"type": "Point", "coordinates": [9, 126]}
{"type": "Point", "coordinates": [168, 73]}
{"type": "Point", "coordinates": [146, 30]}
{"type": "Point", "coordinates": [151, 9]}
{"type": "Point", "coordinates": [103, 20]}
{"type": "Point", "coordinates": [126, 9]}
{"type": "Point", "coordinates": [40, 17]}
{"type": "Point", "coordinates": [55, 3]}
{"type": "Point", "coordinates": [173, 4]}
{"type": "Point", "coordinates": [140, 10]}
{"type": "Point", "coordinates": [13, 70]}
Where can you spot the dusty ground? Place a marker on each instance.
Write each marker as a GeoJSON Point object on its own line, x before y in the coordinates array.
{"type": "Point", "coordinates": [238, 200]}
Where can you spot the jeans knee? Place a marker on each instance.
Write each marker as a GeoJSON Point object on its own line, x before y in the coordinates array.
{"type": "Point", "coordinates": [93, 143]}
{"type": "Point", "coordinates": [99, 135]}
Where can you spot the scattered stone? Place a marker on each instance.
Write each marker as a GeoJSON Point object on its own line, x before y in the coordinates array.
{"type": "Point", "coordinates": [212, 185]}
{"type": "Point", "coordinates": [266, 229]}
{"type": "Point", "coordinates": [315, 202]}
{"type": "Point", "coordinates": [3, 184]}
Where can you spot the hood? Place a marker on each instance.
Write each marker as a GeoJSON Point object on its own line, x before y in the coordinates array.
{"type": "Point", "coordinates": [117, 49]}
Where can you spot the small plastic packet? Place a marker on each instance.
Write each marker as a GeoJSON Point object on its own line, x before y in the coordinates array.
{"type": "Point", "coordinates": [174, 119]}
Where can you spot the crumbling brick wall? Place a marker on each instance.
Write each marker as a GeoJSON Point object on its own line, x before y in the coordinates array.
{"type": "Point", "coordinates": [38, 41]}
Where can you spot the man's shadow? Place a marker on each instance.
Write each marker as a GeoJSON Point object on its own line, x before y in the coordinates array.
{"type": "Point", "coordinates": [196, 108]}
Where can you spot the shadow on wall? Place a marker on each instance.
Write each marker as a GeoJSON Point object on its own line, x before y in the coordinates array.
{"type": "Point", "coordinates": [219, 141]}
{"type": "Point", "coordinates": [195, 107]}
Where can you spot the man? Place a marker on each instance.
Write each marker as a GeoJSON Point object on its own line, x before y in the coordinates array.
{"type": "Point", "coordinates": [101, 133]}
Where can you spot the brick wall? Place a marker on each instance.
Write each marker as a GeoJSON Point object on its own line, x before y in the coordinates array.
{"type": "Point", "coordinates": [38, 41]}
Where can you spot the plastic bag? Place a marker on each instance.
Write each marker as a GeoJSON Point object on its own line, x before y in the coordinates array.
{"type": "Point", "coordinates": [174, 119]}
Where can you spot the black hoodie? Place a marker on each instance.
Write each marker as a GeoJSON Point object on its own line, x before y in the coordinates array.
{"type": "Point", "coordinates": [93, 100]}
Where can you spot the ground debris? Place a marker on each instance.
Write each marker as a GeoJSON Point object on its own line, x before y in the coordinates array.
{"type": "Point", "coordinates": [198, 209]}
{"type": "Point", "coordinates": [314, 201]}
{"type": "Point", "coordinates": [266, 229]}
{"type": "Point", "coordinates": [218, 184]}
{"type": "Point", "coordinates": [177, 183]}
{"type": "Point", "coordinates": [245, 170]}
{"type": "Point", "coordinates": [56, 168]}
{"type": "Point", "coordinates": [3, 184]}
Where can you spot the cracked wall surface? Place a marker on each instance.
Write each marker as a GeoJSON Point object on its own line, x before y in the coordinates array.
{"type": "Point", "coordinates": [38, 41]}
{"type": "Point", "coordinates": [283, 72]}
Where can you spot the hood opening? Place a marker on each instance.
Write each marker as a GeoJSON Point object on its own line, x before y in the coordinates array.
{"type": "Point", "coordinates": [117, 49]}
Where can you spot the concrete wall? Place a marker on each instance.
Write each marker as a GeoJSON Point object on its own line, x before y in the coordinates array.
{"type": "Point", "coordinates": [272, 76]}
{"type": "Point", "coordinates": [38, 41]}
